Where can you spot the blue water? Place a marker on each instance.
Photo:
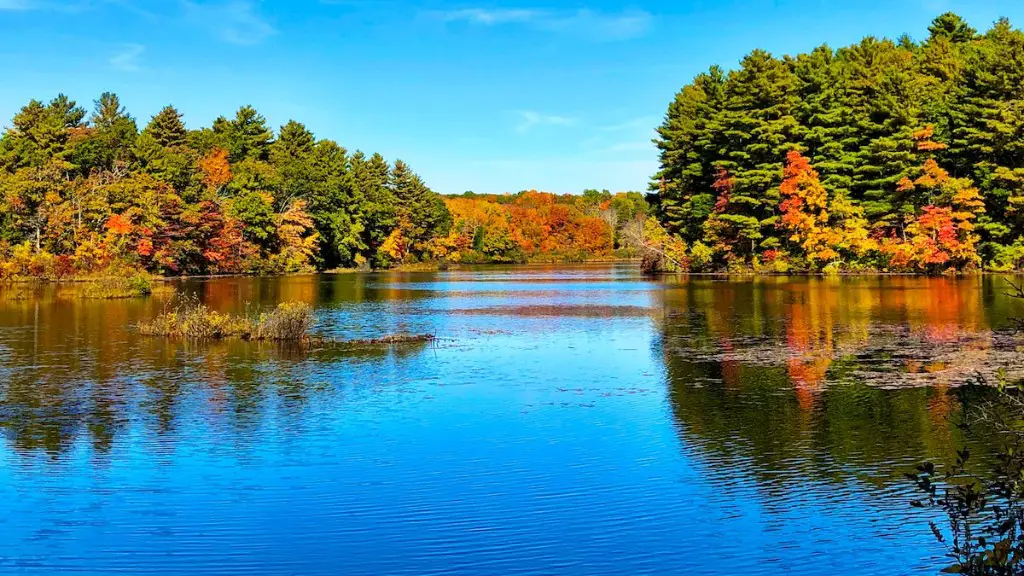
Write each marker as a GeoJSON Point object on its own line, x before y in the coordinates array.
{"type": "Point", "coordinates": [561, 425]}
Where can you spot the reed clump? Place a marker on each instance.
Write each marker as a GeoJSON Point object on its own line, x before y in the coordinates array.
{"type": "Point", "coordinates": [192, 320]}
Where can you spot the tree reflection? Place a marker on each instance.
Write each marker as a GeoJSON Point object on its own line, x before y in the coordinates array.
{"type": "Point", "coordinates": [76, 373]}
{"type": "Point", "coordinates": [797, 377]}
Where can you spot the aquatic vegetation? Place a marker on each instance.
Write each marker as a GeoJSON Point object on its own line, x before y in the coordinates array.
{"type": "Point", "coordinates": [115, 287]}
{"type": "Point", "coordinates": [391, 339]}
{"type": "Point", "coordinates": [984, 507]}
{"type": "Point", "coordinates": [192, 320]}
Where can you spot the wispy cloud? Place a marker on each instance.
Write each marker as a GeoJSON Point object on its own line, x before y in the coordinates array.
{"type": "Point", "coordinates": [127, 60]}
{"type": "Point", "coordinates": [18, 5]}
{"type": "Point", "coordinates": [591, 24]}
{"type": "Point", "coordinates": [235, 22]}
{"type": "Point", "coordinates": [72, 6]}
{"type": "Point", "coordinates": [490, 17]}
{"type": "Point", "coordinates": [530, 119]}
{"type": "Point", "coordinates": [639, 124]}
{"type": "Point", "coordinates": [631, 146]}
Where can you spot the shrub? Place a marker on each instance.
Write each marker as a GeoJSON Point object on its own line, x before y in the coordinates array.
{"type": "Point", "coordinates": [289, 321]}
{"type": "Point", "coordinates": [1008, 258]}
{"type": "Point", "coordinates": [701, 256]}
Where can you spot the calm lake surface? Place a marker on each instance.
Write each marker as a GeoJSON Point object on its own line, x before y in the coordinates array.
{"type": "Point", "coordinates": [577, 420]}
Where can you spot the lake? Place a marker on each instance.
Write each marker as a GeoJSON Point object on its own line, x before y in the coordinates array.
{"type": "Point", "coordinates": [569, 420]}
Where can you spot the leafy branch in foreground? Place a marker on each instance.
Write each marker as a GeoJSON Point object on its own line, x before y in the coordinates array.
{"type": "Point", "coordinates": [985, 510]}
{"type": "Point", "coordinates": [985, 532]}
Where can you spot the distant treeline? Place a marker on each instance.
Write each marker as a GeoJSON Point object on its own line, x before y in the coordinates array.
{"type": "Point", "coordinates": [889, 155]}
{"type": "Point", "coordinates": [533, 225]}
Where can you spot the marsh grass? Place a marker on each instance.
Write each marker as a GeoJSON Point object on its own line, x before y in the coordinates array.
{"type": "Point", "coordinates": [189, 319]}
{"type": "Point", "coordinates": [116, 287]}
{"type": "Point", "coordinates": [192, 320]}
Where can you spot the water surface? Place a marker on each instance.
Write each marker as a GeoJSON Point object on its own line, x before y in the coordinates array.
{"type": "Point", "coordinates": [570, 420]}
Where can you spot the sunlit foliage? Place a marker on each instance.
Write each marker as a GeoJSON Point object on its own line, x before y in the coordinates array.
{"type": "Point", "coordinates": [888, 155]}
{"type": "Point", "coordinates": [80, 194]}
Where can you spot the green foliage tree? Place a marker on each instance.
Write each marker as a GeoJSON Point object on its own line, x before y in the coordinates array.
{"type": "Point", "coordinates": [857, 113]}
{"type": "Point", "coordinates": [227, 198]}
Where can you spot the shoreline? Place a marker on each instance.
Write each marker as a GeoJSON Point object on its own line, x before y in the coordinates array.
{"type": "Point", "coordinates": [437, 267]}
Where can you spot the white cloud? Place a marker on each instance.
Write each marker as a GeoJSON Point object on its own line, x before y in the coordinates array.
{"type": "Point", "coordinates": [235, 22]}
{"type": "Point", "coordinates": [127, 60]}
{"type": "Point", "coordinates": [530, 119]}
{"type": "Point", "coordinates": [591, 24]}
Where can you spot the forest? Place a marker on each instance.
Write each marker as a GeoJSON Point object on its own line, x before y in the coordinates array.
{"type": "Point", "coordinates": [532, 226]}
{"type": "Point", "coordinates": [885, 155]}
{"type": "Point", "coordinates": [82, 194]}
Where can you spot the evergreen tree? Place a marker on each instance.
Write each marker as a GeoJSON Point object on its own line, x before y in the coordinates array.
{"type": "Point", "coordinates": [292, 156]}
{"type": "Point", "coordinates": [379, 209]}
{"type": "Point", "coordinates": [685, 140]}
{"type": "Point", "coordinates": [167, 129]}
{"type": "Point", "coordinates": [245, 136]}
{"type": "Point", "coordinates": [109, 143]}
{"type": "Point", "coordinates": [864, 115]}
{"type": "Point", "coordinates": [756, 127]}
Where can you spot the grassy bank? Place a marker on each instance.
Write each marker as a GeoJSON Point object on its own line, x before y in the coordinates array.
{"type": "Point", "coordinates": [109, 286]}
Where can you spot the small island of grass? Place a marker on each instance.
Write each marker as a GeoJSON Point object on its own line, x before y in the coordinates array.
{"type": "Point", "coordinates": [191, 320]}
{"type": "Point", "coordinates": [289, 322]}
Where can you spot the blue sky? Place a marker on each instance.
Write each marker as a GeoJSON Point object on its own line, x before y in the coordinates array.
{"type": "Point", "coordinates": [484, 95]}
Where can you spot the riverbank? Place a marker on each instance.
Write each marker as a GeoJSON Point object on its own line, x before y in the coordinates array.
{"type": "Point", "coordinates": [120, 284]}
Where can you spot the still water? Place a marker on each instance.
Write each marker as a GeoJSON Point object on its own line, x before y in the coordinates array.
{"type": "Point", "coordinates": [568, 421]}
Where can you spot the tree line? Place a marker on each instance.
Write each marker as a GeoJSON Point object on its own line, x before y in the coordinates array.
{"type": "Point", "coordinates": [83, 193]}
{"type": "Point", "coordinates": [532, 225]}
{"type": "Point", "coordinates": [80, 193]}
{"type": "Point", "coordinates": [883, 155]}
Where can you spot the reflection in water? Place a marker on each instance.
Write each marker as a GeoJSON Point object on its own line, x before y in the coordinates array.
{"type": "Point", "coordinates": [888, 331]}
{"type": "Point", "coordinates": [572, 420]}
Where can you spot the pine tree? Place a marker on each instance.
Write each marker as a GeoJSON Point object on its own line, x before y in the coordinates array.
{"type": "Point", "coordinates": [247, 136]}
{"type": "Point", "coordinates": [336, 206]}
{"type": "Point", "coordinates": [167, 129]}
{"type": "Point", "coordinates": [292, 156]}
{"type": "Point", "coordinates": [830, 136]}
{"type": "Point", "coordinates": [379, 208]}
{"type": "Point", "coordinates": [756, 127]}
{"type": "Point", "coordinates": [685, 137]}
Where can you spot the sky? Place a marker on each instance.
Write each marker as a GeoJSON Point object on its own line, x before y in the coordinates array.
{"type": "Point", "coordinates": [483, 95]}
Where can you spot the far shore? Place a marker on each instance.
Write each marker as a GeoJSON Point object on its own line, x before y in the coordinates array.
{"type": "Point", "coordinates": [428, 267]}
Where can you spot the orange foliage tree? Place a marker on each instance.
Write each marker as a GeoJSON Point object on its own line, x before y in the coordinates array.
{"type": "Point", "coordinates": [822, 228]}
{"type": "Point", "coordinates": [527, 225]}
{"type": "Point", "coordinates": [942, 235]}
{"type": "Point", "coordinates": [216, 169]}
